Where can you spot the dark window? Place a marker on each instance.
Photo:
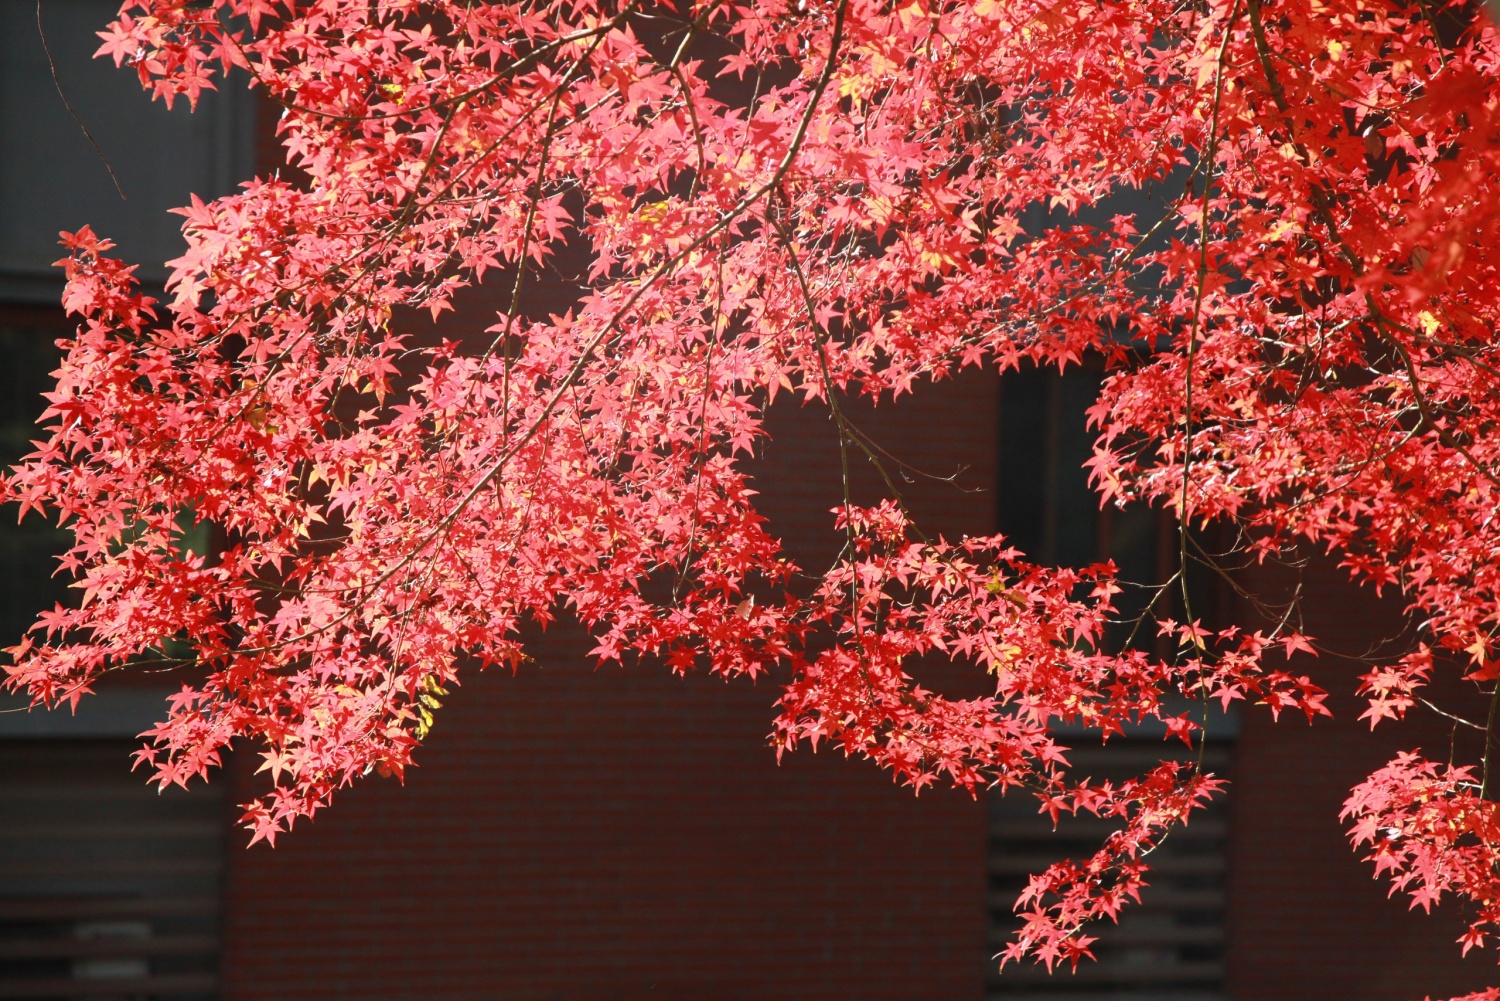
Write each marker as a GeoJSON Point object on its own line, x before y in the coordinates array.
{"type": "Point", "coordinates": [28, 551]}
{"type": "Point", "coordinates": [51, 178]}
{"type": "Point", "coordinates": [108, 890]}
{"type": "Point", "coordinates": [1046, 506]}
{"type": "Point", "coordinates": [1172, 945]}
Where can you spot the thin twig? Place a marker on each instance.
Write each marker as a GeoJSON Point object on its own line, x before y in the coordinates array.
{"type": "Point", "coordinates": [52, 66]}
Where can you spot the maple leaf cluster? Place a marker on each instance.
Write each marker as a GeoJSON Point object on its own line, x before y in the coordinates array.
{"type": "Point", "coordinates": [827, 199]}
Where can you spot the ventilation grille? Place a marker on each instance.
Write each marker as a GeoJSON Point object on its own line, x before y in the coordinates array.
{"type": "Point", "coordinates": [108, 891]}
{"type": "Point", "coordinates": [1170, 946]}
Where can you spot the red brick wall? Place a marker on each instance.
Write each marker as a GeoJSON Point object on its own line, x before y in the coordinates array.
{"type": "Point", "coordinates": [628, 834]}
{"type": "Point", "coordinates": [1307, 921]}
{"type": "Point", "coordinates": [574, 833]}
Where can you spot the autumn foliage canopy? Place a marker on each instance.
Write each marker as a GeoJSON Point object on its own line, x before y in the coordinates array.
{"type": "Point", "coordinates": [824, 199]}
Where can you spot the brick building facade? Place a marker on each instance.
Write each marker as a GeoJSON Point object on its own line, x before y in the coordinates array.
{"type": "Point", "coordinates": [573, 833]}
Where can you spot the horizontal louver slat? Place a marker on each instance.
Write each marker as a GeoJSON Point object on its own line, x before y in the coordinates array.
{"type": "Point", "coordinates": [76, 948]}
{"type": "Point", "coordinates": [60, 908]}
{"type": "Point", "coordinates": [1040, 825]}
{"type": "Point", "coordinates": [1152, 899]}
{"type": "Point", "coordinates": [1122, 965]}
{"type": "Point", "coordinates": [165, 985]}
{"type": "Point", "coordinates": [108, 887]}
{"type": "Point", "coordinates": [1163, 865]}
{"type": "Point", "coordinates": [122, 864]}
{"type": "Point", "coordinates": [1114, 936]}
{"type": "Point", "coordinates": [106, 831]}
{"type": "Point", "coordinates": [1154, 971]}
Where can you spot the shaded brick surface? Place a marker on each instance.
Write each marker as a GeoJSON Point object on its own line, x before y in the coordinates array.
{"type": "Point", "coordinates": [1307, 922]}
{"type": "Point", "coordinates": [623, 833]}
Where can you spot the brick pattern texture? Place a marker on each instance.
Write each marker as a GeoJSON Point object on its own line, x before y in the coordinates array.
{"type": "Point", "coordinates": [1306, 921]}
{"type": "Point", "coordinates": [623, 833]}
